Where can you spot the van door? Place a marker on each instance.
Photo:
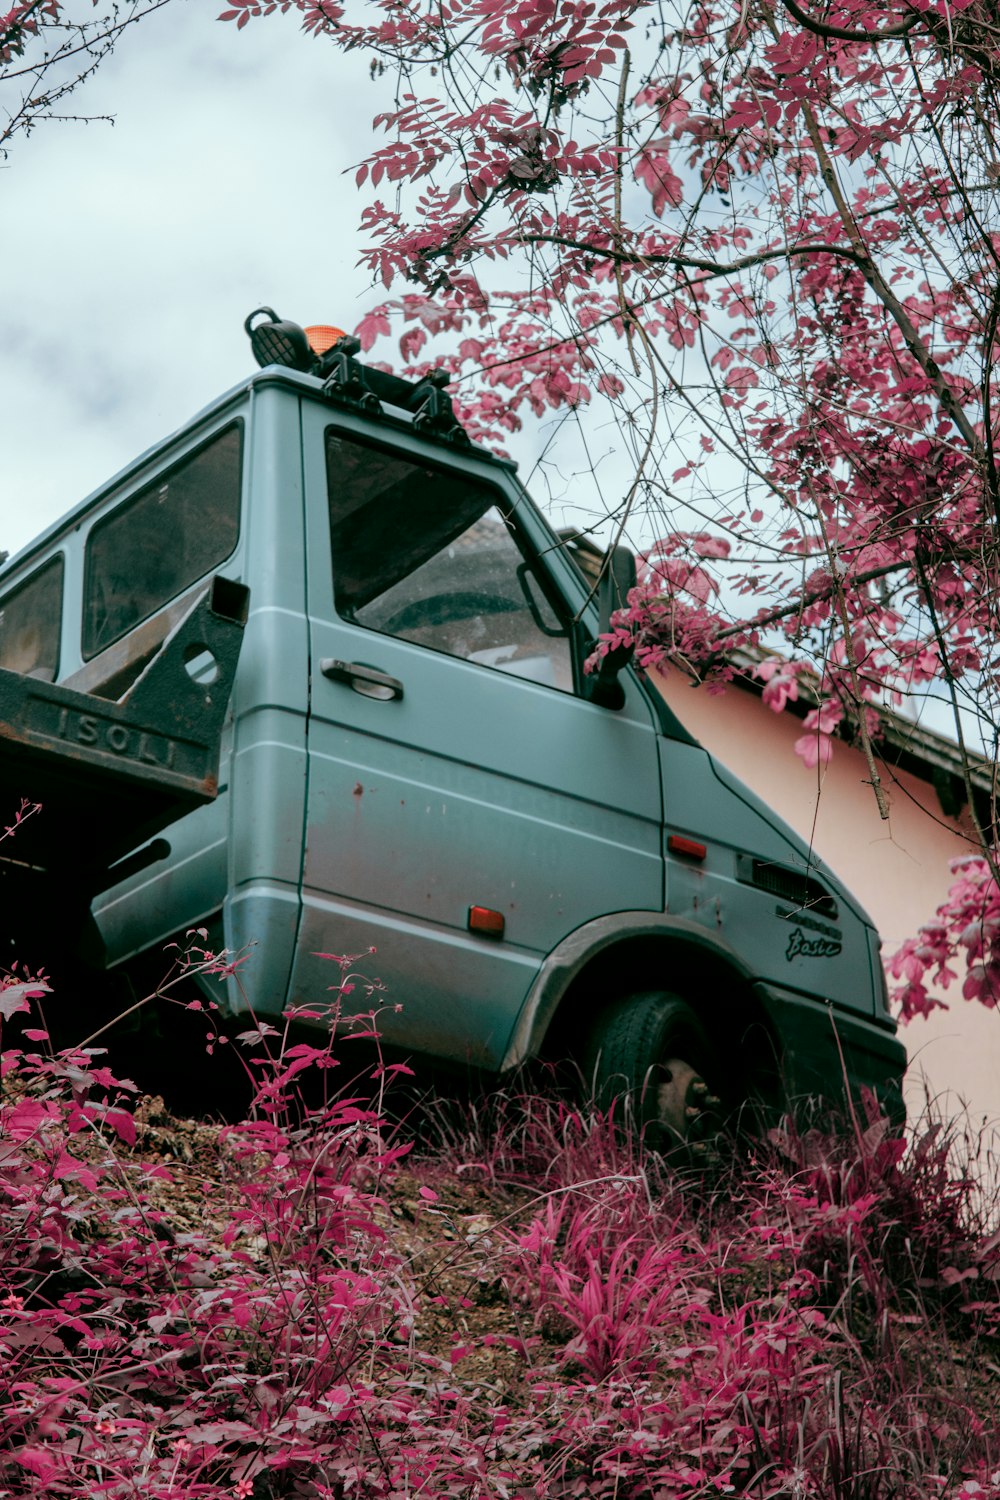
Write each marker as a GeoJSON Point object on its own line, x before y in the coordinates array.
{"type": "Point", "coordinates": [146, 555]}
{"type": "Point", "coordinates": [453, 764]}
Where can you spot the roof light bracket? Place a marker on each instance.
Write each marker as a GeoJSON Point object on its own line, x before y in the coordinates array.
{"type": "Point", "coordinates": [345, 378]}
{"type": "Point", "coordinates": [435, 412]}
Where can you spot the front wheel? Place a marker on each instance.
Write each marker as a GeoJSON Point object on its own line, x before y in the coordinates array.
{"type": "Point", "coordinates": [650, 1053]}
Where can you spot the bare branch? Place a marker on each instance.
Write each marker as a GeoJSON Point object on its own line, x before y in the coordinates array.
{"type": "Point", "coordinates": [846, 33]}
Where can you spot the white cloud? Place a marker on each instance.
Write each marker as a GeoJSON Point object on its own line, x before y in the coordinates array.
{"type": "Point", "coordinates": [131, 254]}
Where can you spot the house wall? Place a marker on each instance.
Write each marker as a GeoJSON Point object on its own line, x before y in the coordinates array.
{"type": "Point", "coordinates": [898, 869]}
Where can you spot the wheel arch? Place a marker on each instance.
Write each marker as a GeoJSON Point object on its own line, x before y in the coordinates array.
{"type": "Point", "coordinates": [633, 951]}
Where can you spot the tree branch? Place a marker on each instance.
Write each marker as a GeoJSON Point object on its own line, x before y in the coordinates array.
{"type": "Point", "coordinates": [819, 595]}
{"type": "Point", "coordinates": [845, 33]}
{"type": "Point", "coordinates": [693, 262]}
{"type": "Point", "coordinates": [627, 322]}
{"type": "Point", "coordinates": [887, 297]}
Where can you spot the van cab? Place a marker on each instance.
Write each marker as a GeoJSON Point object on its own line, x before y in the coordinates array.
{"type": "Point", "coordinates": [412, 760]}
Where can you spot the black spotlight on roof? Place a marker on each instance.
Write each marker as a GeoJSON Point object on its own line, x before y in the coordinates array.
{"type": "Point", "coordinates": [277, 342]}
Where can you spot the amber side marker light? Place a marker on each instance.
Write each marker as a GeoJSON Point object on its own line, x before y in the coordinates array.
{"type": "Point", "coordinates": [483, 919]}
{"type": "Point", "coordinates": [678, 844]}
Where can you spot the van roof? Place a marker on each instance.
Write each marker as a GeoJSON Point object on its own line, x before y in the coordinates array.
{"type": "Point", "coordinates": [269, 375]}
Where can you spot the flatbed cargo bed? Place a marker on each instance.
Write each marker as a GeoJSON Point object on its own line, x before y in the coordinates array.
{"type": "Point", "coordinates": [110, 774]}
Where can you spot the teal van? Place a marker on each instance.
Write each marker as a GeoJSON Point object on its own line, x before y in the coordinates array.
{"type": "Point", "coordinates": [411, 759]}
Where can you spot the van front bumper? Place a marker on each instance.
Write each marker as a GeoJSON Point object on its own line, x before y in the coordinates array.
{"type": "Point", "coordinates": [832, 1054]}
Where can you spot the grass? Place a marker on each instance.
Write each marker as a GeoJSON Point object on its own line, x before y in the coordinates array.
{"type": "Point", "coordinates": [304, 1303]}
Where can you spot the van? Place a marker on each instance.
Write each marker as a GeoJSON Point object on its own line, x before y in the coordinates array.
{"type": "Point", "coordinates": [413, 760]}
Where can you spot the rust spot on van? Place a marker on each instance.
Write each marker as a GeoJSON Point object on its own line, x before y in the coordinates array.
{"type": "Point", "coordinates": [359, 790]}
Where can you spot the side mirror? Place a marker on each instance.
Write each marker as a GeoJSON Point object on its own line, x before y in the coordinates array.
{"type": "Point", "coordinates": [618, 577]}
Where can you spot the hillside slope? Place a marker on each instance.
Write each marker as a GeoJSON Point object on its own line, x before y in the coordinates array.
{"type": "Point", "coordinates": [519, 1305]}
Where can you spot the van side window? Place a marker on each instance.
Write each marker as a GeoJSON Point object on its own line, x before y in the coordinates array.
{"type": "Point", "coordinates": [162, 539]}
{"type": "Point", "coordinates": [428, 555]}
{"type": "Point", "coordinates": [30, 622]}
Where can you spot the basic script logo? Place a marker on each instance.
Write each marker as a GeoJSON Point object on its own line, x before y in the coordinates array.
{"type": "Point", "coordinates": [800, 946]}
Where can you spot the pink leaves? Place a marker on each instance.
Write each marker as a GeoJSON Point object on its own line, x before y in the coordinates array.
{"type": "Point", "coordinates": [25, 1117]}
{"type": "Point", "coordinates": [965, 932]}
{"type": "Point", "coordinates": [677, 576]}
{"type": "Point", "coordinates": [793, 52]}
{"type": "Point", "coordinates": [652, 168]}
{"type": "Point", "coordinates": [17, 995]}
{"type": "Point", "coordinates": [122, 1123]}
{"type": "Point", "coordinates": [560, 389]}
{"type": "Point", "coordinates": [25, 810]}
{"type": "Point", "coordinates": [38, 1462]}
{"type": "Point", "coordinates": [557, 42]}
{"type": "Point", "coordinates": [925, 663]}
{"type": "Point", "coordinates": [781, 684]}
{"type": "Point", "coordinates": [611, 386]}
{"type": "Point", "coordinates": [533, 166]}
{"type": "Point", "coordinates": [287, 1318]}
{"type": "Point", "coordinates": [741, 379]}
{"type": "Point", "coordinates": [243, 11]}
{"type": "Point", "coordinates": [619, 1286]}
{"type": "Point", "coordinates": [411, 343]}
{"type": "Point", "coordinates": [705, 545]}
{"type": "Point", "coordinates": [745, 114]}
{"type": "Point", "coordinates": [373, 326]}
{"type": "Point", "coordinates": [815, 747]}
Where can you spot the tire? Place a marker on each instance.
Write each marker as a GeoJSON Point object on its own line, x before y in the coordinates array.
{"type": "Point", "coordinates": [650, 1056]}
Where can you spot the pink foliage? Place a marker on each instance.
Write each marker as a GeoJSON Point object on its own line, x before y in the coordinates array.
{"type": "Point", "coordinates": [22, 23]}
{"type": "Point", "coordinates": [781, 683]}
{"type": "Point", "coordinates": [966, 931]}
{"type": "Point", "coordinates": [659, 1338]}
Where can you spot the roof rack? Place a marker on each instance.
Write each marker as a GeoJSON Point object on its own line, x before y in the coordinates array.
{"type": "Point", "coordinates": [348, 381]}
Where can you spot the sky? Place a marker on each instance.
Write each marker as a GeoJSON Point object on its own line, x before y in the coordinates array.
{"type": "Point", "coordinates": [131, 254]}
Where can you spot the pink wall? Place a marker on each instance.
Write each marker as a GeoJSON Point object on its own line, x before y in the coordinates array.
{"type": "Point", "coordinates": [898, 869]}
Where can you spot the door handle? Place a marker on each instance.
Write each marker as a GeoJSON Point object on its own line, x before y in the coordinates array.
{"type": "Point", "coordinates": [362, 678]}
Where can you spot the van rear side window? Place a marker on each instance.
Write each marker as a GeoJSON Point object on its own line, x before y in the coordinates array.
{"type": "Point", "coordinates": [30, 622]}
{"type": "Point", "coordinates": [161, 540]}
